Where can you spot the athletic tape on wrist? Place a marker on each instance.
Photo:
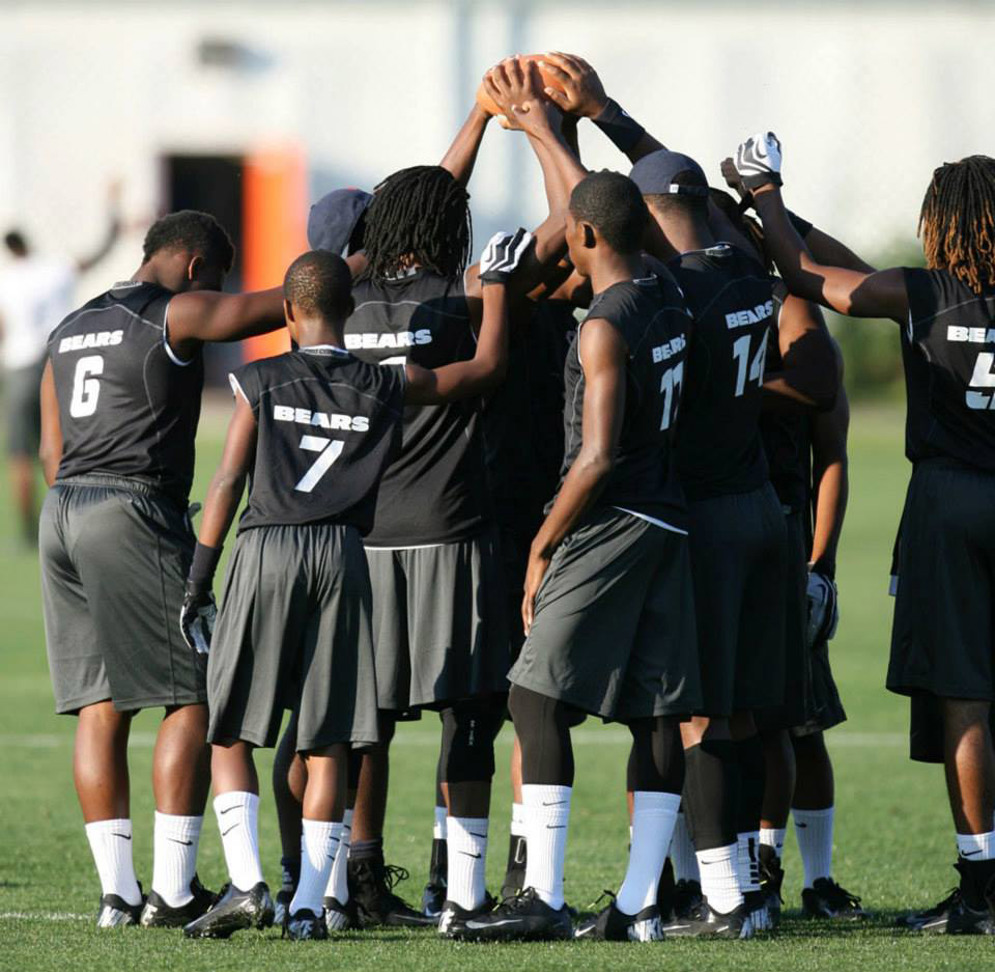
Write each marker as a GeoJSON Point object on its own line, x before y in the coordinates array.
{"type": "Point", "coordinates": [623, 130]}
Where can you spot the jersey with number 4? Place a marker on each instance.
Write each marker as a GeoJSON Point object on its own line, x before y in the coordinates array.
{"type": "Point", "coordinates": [948, 348]}
{"type": "Point", "coordinates": [719, 449]}
{"type": "Point", "coordinates": [652, 318]}
{"type": "Point", "coordinates": [127, 405]}
{"type": "Point", "coordinates": [328, 425]}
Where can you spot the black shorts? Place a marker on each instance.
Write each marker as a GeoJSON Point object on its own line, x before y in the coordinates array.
{"type": "Point", "coordinates": [738, 564]}
{"type": "Point", "coordinates": [439, 623]}
{"type": "Point", "coordinates": [114, 557]}
{"type": "Point", "coordinates": [294, 632]}
{"type": "Point", "coordinates": [942, 637]}
{"type": "Point", "coordinates": [613, 633]}
{"type": "Point", "coordinates": [22, 401]}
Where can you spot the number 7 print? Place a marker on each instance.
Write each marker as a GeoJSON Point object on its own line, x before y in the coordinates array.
{"type": "Point", "coordinates": [329, 449]}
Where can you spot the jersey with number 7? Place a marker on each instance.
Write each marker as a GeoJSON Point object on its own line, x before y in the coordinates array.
{"type": "Point", "coordinates": [719, 449]}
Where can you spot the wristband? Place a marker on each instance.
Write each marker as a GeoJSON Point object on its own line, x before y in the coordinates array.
{"type": "Point", "coordinates": [623, 130]}
{"type": "Point", "coordinates": [824, 566]}
{"type": "Point", "coordinates": [202, 568]}
{"type": "Point", "coordinates": [802, 226]}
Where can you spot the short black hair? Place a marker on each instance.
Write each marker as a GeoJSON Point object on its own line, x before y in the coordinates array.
{"type": "Point", "coordinates": [193, 231]}
{"type": "Point", "coordinates": [15, 242]}
{"type": "Point", "coordinates": [679, 203]}
{"type": "Point", "coordinates": [319, 282]}
{"type": "Point", "coordinates": [613, 205]}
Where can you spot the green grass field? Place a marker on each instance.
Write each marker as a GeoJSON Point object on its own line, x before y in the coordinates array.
{"type": "Point", "coordinates": [894, 841]}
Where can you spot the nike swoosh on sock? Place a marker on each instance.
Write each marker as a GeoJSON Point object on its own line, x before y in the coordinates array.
{"type": "Point", "coordinates": [225, 833]}
{"type": "Point", "coordinates": [227, 809]}
{"type": "Point", "coordinates": [187, 843]}
{"type": "Point", "coordinates": [122, 836]}
{"type": "Point", "coordinates": [468, 854]}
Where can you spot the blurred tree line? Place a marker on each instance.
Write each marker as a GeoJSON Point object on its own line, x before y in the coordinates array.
{"type": "Point", "coordinates": [872, 351]}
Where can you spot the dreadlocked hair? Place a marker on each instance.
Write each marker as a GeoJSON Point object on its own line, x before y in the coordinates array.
{"type": "Point", "coordinates": [421, 215]}
{"type": "Point", "coordinates": [957, 221]}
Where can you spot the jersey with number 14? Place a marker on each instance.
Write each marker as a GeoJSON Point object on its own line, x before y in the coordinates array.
{"type": "Point", "coordinates": [719, 449]}
{"type": "Point", "coordinates": [328, 425]}
{"type": "Point", "coordinates": [127, 405]}
{"type": "Point", "coordinates": [652, 318]}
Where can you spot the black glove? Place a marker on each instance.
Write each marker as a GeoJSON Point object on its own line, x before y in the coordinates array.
{"type": "Point", "coordinates": [823, 609]}
{"type": "Point", "coordinates": [197, 617]}
{"type": "Point", "coordinates": [758, 161]}
{"type": "Point", "coordinates": [502, 255]}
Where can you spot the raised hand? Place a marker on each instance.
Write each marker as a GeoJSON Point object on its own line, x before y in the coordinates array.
{"type": "Point", "coordinates": [516, 87]}
{"type": "Point", "coordinates": [733, 179]}
{"type": "Point", "coordinates": [503, 253]}
{"type": "Point", "coordinates": [582, 92]}
{"type": "Point", "coordinates": [758, 161]}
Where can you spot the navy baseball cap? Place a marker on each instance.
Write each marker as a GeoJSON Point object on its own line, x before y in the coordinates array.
{"type": "Point", "coordinates": [655, 173]}
{"type": "Point", "coordinates": [334, 217]}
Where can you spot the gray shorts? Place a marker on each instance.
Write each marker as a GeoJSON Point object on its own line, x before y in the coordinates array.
{"type": "Point", "coordinates": [114, 562]}
{"type": "Point", "coordinates": [293, 632]}
{"type": "Point", "coordinates": [439, 625]}
{"type": "Point", "coordinates": [738, 562]}
{"type": "Point", "coordinates": [614, 629]}
{"type": "Point", "coordinates": [22, 400]}
{"type": "Point", "coordinates": [943, 635]}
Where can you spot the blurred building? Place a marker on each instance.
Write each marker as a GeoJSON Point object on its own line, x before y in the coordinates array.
{"type": "Point", "coordinates": [252, 109]}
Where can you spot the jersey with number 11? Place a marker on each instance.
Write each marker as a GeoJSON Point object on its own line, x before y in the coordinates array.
{"type": "Point", "coordinates": [128, 406]}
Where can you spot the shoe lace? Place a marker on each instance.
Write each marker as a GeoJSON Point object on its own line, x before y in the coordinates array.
{"type": "Point", "coordinates": [946, 904]}
{"type": "Point", "coordinates": [394, 874]}
{"type": "Point", "coordinates": [838, 896]}
{"type": "Point", "coordinates": [596, 904]}
{"type": "Point", "coordinates": [517, 902]}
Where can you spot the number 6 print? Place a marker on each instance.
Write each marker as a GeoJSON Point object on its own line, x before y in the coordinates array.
{"type": "Point", "coordinates": [329, 449]}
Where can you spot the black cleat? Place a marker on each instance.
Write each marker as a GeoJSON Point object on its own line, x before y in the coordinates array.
{"type": "Point", "coordinates": [826, 899]}
{"type": "Point", "coordinates": [771, 880]}
{"type": "Point", "coordinates": [305, 926]}
{"type": "Point", "coordinates": [708, 923]}
{"type": "Point", "coordinates": [453, 917]}
{"type": "Point", "coordinates": [338, 916]}
{"type": "Point", "coordinates": [756, 904]}
{"type": "Point", "coordinates": [371, 887]}
{"type": "Point", "coordinates": [612, 925]}
{"type": "Point", "coordinates": [687, 898]}
{"type": "Point", "coordinates": [281, 904]}
{"type": "Point", "coordinates": [158, 914]}
{"type": "Point", "coordinates": [514, 875]}
{"type": "Point", "coordinates": [932, 919]}
{"type": "Point", "coordinates": [434, 895]}
{"type": "Point", "coordinates": [234, 911]}
{"type": "Point", "coordinates": [115, 912]}
{"type": "Point", "coordinates": [665, 891]}
{"type": "Point", "coordinates": [525, 917]}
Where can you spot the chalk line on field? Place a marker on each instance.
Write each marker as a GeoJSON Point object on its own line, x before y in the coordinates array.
{"type": "Point", "coordinates": [581, 737]}
{"type": "Point", "coordinates": [42, 916]}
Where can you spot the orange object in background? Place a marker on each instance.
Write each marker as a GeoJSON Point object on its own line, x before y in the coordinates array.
{"type": "Point", "coordinates": [274, 229]}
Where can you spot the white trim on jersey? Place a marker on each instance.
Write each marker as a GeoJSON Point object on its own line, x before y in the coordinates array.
{"type": "Point", "coordinates": [236, 388]}
{"type": "Point", "coordinates": [165, 341]}
{"type": "Point", "coordinates": [653, 520]}
{"type": "Point", "coordinates": [399, 359]}
{"type": "Point", "coordinates": [420, 546]}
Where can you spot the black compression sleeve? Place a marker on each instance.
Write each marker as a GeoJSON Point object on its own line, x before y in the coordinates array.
{"type": "Point", "coordinates": [623, 130]}
{"type": "Point", "coordinates": [802, 226]}
{"type": "Point", "coordinates": [202, 568]}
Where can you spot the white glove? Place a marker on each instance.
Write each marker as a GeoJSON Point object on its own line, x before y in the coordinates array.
{"type": "Point", "coordinates": [823, 609]}
{"type": "Point", "coordinates": [197, 617]}
{"type": "Point", "coordinates": [758, 160]}
{"type": "Point", "coordinates": [502, 255]}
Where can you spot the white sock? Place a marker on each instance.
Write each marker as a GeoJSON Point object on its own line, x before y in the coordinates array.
{"type": "Point", "coordinates": [466, 880]}
{"type": "Point", "coordinates": [175, 860]}
{"type": "Point", "coordinates": [720, 877]}
{"type": "Point", "coordinates": [748, 860]}
{"type": "Point", "coordinates": [338, 883]}
{"type": "Point", "coordinates": [653, 819]}
{"type": "Point", "coordinates": [547, 814]}
{"type": "Point", "coordinates": [976, 847]}
{"type": "Point", "coordinates": [814, 830]}
{"type": "Point", "coordinates": [110, 842]}
{"type": "Point", "coordinates": [439, 831]}
{"type": "Point", "coordinates": [682, 852]}
{"type": "Point", "coordinates": [320, 844]}
{"type": "Point", "coordinates": [517, 820]}
{"type": "Point", "coordinates": [238, 821]}
{"type": "Point", "coordinates": [769, 837]}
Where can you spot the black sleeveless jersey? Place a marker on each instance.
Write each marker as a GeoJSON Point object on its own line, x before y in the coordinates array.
{"type": "Point", "coordinates": [651, 316]}
{"type": "Point", "coordinates": [948, 349]}
{"type": "Point", "coordinates": [523, 418]}
{"type": "Point", "coordinates": [435, 491]}
{"type": "Point", "coordinates": [719, 450]}
{"type": "Point", "coordinates": [328, 425]}
{"type": "Point", "coordinates": [785, 431]}
{"type": "Point", "coordinates": [127, 405]}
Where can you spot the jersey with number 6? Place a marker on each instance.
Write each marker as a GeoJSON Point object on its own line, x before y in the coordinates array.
{"type": "Point", "coordinates": [127, 405]}
{"type": "Point", "coordinates": [328, 426]}
{"type": "Point", "coordinates": [948, 349]}
{"type": "Point", "coordinates": [719, 449]}
{"type": "Point", "coordinates": [651, 316]}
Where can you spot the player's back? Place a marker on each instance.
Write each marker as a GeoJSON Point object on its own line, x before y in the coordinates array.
{"type": "Point", "coordinates": [127, 405]}
{"type": "Point", "coordinates": [436, 489]}
{"type": "Point", "coordinates": [948, 348]}
{"type": "Point", "coordinates": [718, 444]}
{"type": "Point", "coordinates": [328, 425]}
{"type": "Point", "coordinates": [651, 316]}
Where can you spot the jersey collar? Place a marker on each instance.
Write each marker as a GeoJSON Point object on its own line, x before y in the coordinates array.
{"type": "Point", "coordinates": [325, 350]}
